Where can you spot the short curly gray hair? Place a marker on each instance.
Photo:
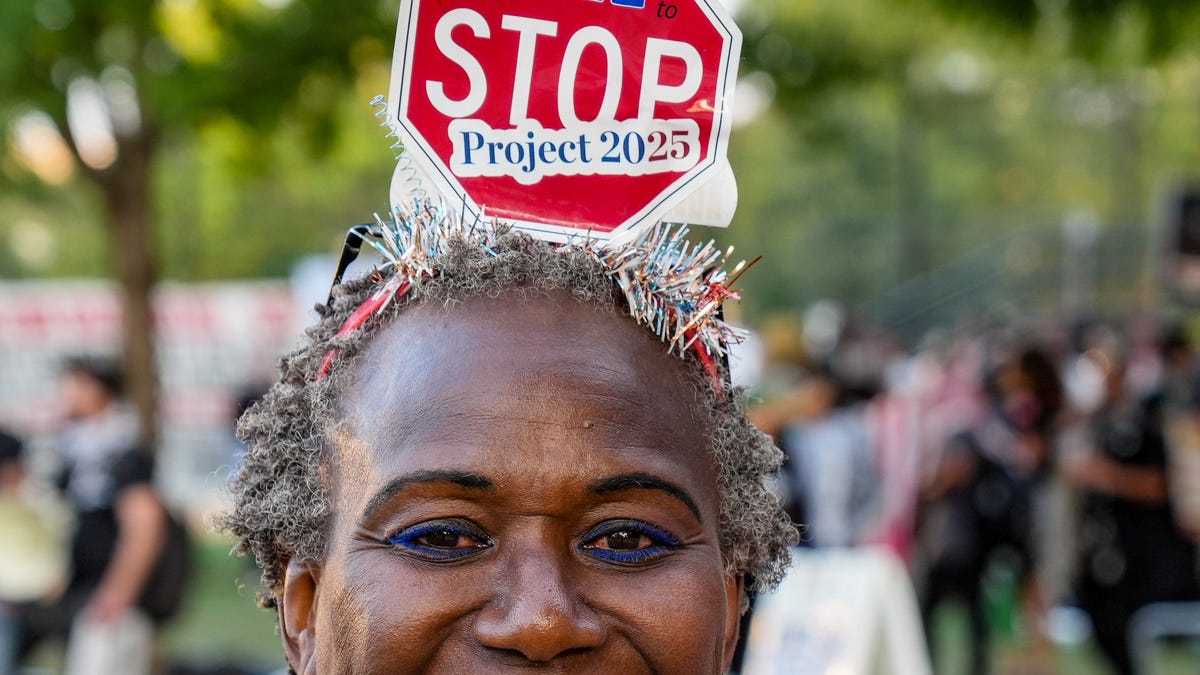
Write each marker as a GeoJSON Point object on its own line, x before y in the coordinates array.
{"type": "Point", "coordinates": [281, 508]}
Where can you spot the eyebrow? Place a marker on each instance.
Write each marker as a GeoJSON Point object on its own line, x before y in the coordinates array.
{"type": "Point", "coordinates": [645, 481]}
{"type": "Point", "coordinates": [463, 479]}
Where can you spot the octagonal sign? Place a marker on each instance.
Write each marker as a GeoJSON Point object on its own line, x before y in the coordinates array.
{"type": "Point", "coordinates": [566, 117]}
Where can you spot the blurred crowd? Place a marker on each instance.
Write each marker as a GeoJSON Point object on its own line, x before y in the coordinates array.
{"type": "Point", "coordinates": [1061, 460]}
{"type": "Point", "coordinates": [96, 559]}
{"type": "Point", "coordinates": [1066, 457]}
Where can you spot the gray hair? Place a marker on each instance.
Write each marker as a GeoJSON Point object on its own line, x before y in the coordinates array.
{"type": "Point", "coordinates": [281, 507]}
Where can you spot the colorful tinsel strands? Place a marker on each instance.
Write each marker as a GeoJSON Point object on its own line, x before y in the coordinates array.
{"type": "Point", "coordinates": [673, 286]}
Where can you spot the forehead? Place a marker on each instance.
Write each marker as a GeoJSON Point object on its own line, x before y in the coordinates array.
{"type": "Point", "coordinates": [495, 384]}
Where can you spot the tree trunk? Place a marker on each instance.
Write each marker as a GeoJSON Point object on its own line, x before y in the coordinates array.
{"type": "Point", "coordinates": [911, 229]}
{"type": "Point", "coordinates": [127, 198]}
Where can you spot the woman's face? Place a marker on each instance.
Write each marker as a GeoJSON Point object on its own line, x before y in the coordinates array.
{"type": "Point", "coordinates": [519, 486]}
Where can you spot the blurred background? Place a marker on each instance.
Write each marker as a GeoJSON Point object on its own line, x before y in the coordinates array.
{"type": "Point", "coordinates": [973, 326]}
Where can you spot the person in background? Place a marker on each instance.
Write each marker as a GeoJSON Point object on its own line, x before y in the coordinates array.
{"type": "Point", "coordinates": [12, 469]}
{"type": "Point", "coordinates": [121, 531]}
{"type": "Point", "coordinates": [1181, 395]}
{"type": "Point", "coordinates": [987, 495]}
{"type": "Point", "coordinates": [832, 464]}
{"type": "Point", "coordinates": [12, 477]}
{"type": "Point", "coordinates": [1132, 550]}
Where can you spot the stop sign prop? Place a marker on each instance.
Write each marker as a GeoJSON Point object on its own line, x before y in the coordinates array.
{"type": "Point", "coordinates": [567, 117]}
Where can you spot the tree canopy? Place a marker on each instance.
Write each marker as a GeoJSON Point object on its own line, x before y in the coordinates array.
{"type": "Point", "coordinates": [911, 141]}
{"type": "Point", "coordinates": [902, 139]}
{"type": "Point", "coordinates": [108, 86]}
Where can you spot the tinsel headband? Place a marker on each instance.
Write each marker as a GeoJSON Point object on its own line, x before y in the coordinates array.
{"type": "Point", "coordinates": [673, 287]}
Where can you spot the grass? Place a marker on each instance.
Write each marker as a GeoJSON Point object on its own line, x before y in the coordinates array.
{"type": "Point", "coordinates": [221, 622]}
{"type": "Point", "coordinates": [1013, 653]}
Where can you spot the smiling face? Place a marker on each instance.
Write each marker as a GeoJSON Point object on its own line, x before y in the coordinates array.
{"type": "Point", "coordinates": [519, 484]}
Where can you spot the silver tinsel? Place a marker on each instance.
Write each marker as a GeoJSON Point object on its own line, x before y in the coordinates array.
{"type": "Point", "coordinates": [673, 286]}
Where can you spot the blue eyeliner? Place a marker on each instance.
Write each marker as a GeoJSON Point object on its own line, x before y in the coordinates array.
{"type": "Point", "coordinates": [410, 540]}
{"type": "Point", "coordinates": [662, 542]}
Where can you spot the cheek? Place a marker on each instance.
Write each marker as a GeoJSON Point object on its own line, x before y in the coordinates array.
{"type": "Point", "coordinates": [674, 616]}
{"type": "Point", "coordinates": [380, 614]}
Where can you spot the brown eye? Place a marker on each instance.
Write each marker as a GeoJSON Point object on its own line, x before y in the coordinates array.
{"type": "Point", "coordinates": [443, 539]}
{"type": "Point", "coordinates": [625, 540]}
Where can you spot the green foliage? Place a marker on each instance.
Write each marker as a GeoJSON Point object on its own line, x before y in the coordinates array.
{"type": "Point", "coordinates": [904, 138]}
{"type": "Point", "coordinates": [257, 117]}
{"type": "Point", "coordinates": [228, 215]}
{"type": "Point", "coordinates": [907, 139]}
{"type": "Point", "coordinates": [1164, 27]}
{"type": "Point", "coordinates": [193, 60]}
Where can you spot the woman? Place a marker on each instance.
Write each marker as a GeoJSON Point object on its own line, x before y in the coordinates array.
{"type": "Point", "coordinates": [479, 462]}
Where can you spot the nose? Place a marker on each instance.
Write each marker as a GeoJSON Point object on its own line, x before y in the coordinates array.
{"type": "Point", "coordinates": [537, 611]}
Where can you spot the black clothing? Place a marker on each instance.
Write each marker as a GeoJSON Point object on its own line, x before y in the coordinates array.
{"type": "Point", "coordinates": [96, 533]}
{"type": "Point", "coordinates": [94, 542]}
{"type": "Point", "coordinates": [1133, 553]}
{"type": "Point", "coordinates": [10, 448]}
{"type": "Point", "coordinates": [95, 539]}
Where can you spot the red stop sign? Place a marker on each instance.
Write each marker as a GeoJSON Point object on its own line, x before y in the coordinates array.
{"type": "Point", "coordinates": [569, 116]}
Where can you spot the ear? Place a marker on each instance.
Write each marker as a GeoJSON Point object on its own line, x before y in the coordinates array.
{"type": "Point", "coordinates": [297, 605]}
{"type": "Point", "coordinates": [735, 604]}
